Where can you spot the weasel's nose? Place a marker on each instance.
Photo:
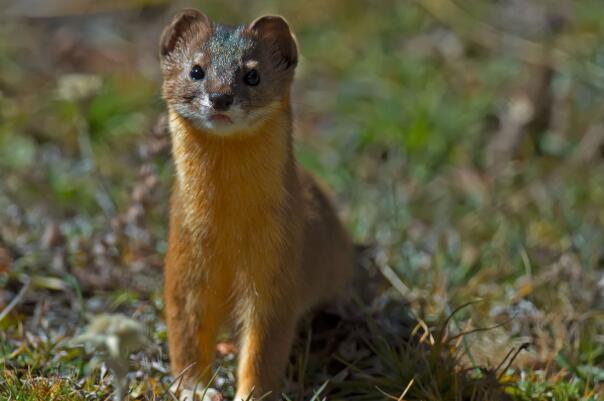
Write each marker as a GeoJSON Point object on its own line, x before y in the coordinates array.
{"type": "Point", "coordinates": [221, 101]}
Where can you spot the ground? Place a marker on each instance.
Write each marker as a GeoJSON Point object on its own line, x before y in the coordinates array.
{"type": "Point", "coordinates": [463, 143]}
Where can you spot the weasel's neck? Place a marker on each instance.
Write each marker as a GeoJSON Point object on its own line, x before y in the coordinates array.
{"type": "Point", "coordinates": [233, 175]}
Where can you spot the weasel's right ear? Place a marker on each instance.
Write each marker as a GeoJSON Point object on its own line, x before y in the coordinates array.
{"type": "Point", "coordinates": [188, 21]}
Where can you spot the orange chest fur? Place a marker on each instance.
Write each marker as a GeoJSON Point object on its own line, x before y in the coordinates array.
{"type": "Point", "coordinates": [232, 194]}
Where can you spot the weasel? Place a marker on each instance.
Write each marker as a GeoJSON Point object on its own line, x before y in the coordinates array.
{"type": "Point", "coordinates": [254, 241]}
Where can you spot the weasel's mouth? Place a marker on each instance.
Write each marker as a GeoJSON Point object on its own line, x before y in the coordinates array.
{"type": "Point", "coordinates": [221, 118]}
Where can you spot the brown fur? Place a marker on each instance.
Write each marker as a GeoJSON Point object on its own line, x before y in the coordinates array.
{"type": "Point", "coordinates": [253, 239]}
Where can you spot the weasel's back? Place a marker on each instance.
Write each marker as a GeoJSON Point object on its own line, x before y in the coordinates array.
{"type": "Point", "coordinates": [328, 252]}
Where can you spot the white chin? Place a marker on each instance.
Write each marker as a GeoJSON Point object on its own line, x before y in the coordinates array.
{"type": "Point", "coordinates": [226, 128]}
{"type": "Point", "coordinates": [218, 127]}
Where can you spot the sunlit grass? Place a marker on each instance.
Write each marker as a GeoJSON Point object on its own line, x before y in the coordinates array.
{"type": "Point", "coordinates": [395, 110]}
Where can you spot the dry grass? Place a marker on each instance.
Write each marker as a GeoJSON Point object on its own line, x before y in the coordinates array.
{"type": "Point", "coordinates": [473, 167]}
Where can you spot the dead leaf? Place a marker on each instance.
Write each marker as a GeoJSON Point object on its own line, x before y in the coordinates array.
{"type": "Point", "coordinates": [226, 347]}
{"type": "Point", "coordinates": [5, 260]}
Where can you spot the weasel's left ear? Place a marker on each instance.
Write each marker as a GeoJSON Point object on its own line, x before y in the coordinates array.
{"type": "Point", "coordinates": [274, 31]}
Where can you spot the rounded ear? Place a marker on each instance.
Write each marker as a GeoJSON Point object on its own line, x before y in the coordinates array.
{"type": "Point", "coordinates": [274, 31]}
{"type": "Point", "coordinates": [182, 23]}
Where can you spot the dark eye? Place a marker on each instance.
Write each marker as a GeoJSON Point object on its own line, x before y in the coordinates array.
{"type": "Point", "coordinates": [252, 78]}
{"type": "Point", "coordinates": [197, 73]}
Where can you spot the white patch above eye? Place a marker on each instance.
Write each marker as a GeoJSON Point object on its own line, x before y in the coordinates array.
{"type": "Point", "coordinates": [199, 57]}
{"type": "Point", "coordinates": [250, 64]}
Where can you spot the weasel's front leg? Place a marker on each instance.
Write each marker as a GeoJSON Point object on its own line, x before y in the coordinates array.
{"type": "Point", "coordinates": [192, 330]}
{"type": "Point", "coordinates": [194, 313]}
{"type": "Point", "coordinates": [265, 345]}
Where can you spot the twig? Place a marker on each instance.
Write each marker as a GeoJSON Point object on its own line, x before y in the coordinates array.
{"type": "Point", "coordinates": [521, 348]}
{"type": "Point", "coordinates": [390, 396]}
{"type": "Point", "coordinates": [404, 393]}
{"type": "Point", "coordinates": [448, 319]}
{"type": "Point", "coordinates": [17, 299]}
{"type": "Point", "coordinates": [168, 390]}
{"type": "Point", "coordinates": [395, 280]}
{"type": "Point", "coordinates": [480, 329]}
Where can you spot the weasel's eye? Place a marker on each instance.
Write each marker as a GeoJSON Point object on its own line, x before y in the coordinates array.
{"type": "Point", "coordinates": [252, 78]}
{"type": "Point", "coordinates": [197, 73]}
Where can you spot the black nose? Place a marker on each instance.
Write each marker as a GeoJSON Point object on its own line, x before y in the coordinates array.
{"type": "Point", "coordinates": [221, 101]}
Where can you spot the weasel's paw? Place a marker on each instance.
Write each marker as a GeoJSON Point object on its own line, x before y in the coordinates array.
{"type": "Point", "coordinates": [185, 394]}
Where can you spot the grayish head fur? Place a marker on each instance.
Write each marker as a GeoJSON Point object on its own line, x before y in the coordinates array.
{"type": "Point", "coordinates": [226, 99]}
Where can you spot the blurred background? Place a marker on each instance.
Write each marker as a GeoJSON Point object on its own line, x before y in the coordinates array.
{"type": "Point", "coordinates": [464, 140]}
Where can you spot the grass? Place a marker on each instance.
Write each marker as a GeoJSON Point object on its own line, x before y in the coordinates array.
{"type": "Point", "coordinates": [473, 166]}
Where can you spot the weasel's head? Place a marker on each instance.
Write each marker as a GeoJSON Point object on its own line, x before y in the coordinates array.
{"type": "Point", "coordinates": [226, 79]}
